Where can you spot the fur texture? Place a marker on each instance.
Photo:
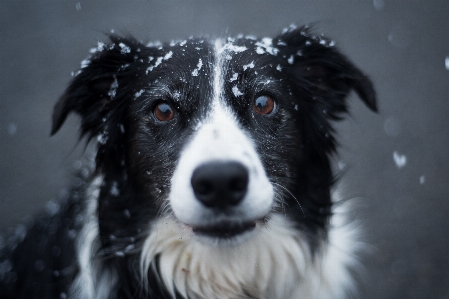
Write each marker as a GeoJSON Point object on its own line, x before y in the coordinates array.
{"type": "Point", "coordinates": [212, 175]}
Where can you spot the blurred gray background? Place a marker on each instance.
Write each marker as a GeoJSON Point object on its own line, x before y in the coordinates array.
{"type": "Point", "coordinates": [396, 161]}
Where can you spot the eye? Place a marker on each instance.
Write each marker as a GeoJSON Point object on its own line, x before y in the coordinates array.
{"type": "Point", "coordinates": [164, 112]}
{"type": "Point", "coordinates": [264, 105]}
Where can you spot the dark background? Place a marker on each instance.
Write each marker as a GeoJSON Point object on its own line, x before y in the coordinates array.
{"type": "Point", "coordinates": [402, 45]}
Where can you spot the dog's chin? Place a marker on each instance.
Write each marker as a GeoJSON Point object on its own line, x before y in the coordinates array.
{"type": "Point", "coordinates": [225, 233]}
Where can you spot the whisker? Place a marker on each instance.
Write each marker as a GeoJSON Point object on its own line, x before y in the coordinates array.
{"type": "Point", "coordinates": [164, 209]}
{"type": "Point", "coordinates": [288, 191]}
{"type": "Point", "coordinates": [280, 199]}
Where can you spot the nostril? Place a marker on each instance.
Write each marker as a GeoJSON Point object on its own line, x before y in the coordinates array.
{"type": "Point", "coordinates": [202, 187]}
{"type": "Point", "coordinates": [238, 183]}
{"type": "Point", "coordinates": [220, 184]}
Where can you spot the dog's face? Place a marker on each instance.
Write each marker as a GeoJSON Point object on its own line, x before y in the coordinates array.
{"type": "Point", "coordinates": [219, 135]}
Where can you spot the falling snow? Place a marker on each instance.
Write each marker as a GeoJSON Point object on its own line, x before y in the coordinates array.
{"type": "Point", "coordinates": [113, 89]}
{"type": "Point", "coordinates": [114, 191]}
{"type": "Point", "coordinates": [5, 266]}
{"type": "Point", "coordinates": [400, 160]}
{"type": "Point", "coordinates": [85, 63]}
{"type": "Point", "coordinates": [102, 139]}
{"type": "Point", "coordinates": [129, 247]}
{"type": "Point", "coordinates": [168, 55]}
{"type": "Point", "coordinates": [198, 125]}
{"type": "Point", "coordinates": [198, 68]}
{"type": "Point", "coordinates": [39, 265]}
{"type": "Point", "coordinates": [379, 4]}
{"type": "Point", "coordinates": [127, 213]}
{"type": "Point", "coordinates": [290, 28]}
{"type": "Point", "coordinates": [291, 59]}
{"type": "Point", "coordinates": [124, 66]}
{"type": "Point", "coordinates": [233, 48]}
{"type": "Point", "coordinates": [234, 77]}
{"type": "Point", "coordinates": [422, 179]}
{"type": "Point", "coordinates": [341, 165]}
{"type": "Point", "coordinates": [99, 48]}
{"type": "Point", "coordinates": [236, 91]}
{"type": "Point", "coordinates": [266, 46]}
{"type": "Point", "coordinates": [446, 62]}
{"type": "Point", "coordinates": [156, 64]}
{"type": "Point", "coordinates": [52, 208]}
{"type": "Point", "coordinates": [281, 43]}
{"type": "Point", "coordinates": [124, 48]}
{"type": "Point", "coordinates": [72, 234]}
{"type": "Point", "coordinates": [12, 129]}
{"type": "Point", "coordinates": [158, 61]}
{"type": "Point", "coordinates": [250, 65]}
{"type": "Point", "coordinates": [138, 94]}
{"type": "Point", "coordinates": [154, 44]}
{"type": "Point", "coordinates": [392, 126]}
{"type": "Point", "coordinates": [74, 74]}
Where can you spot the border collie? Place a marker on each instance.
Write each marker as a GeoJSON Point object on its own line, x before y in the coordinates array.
{"type": "Point", "coordinates": [212, 176]}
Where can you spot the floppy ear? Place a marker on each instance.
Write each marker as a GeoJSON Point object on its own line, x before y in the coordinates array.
{"type": "Point", "coordinates": [100, 94]}
{"type": "Point", "coordinates": [96, 85]}
{"type": "Point", "coordinates": [326, 74]}
{"type": "Point", "coordinates": [320, 79]}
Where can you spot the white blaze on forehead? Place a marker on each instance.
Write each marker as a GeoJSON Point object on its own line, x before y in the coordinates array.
{"type": "Point", "coordinates": [218, 80]}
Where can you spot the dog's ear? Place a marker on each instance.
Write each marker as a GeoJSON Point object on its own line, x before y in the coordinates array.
{"type": "Point", "coordinates": [93, 90]}
{"type": "Point", "coordinates": [325, 74]}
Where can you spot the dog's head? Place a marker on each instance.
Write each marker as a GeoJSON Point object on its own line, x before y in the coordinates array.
{"type": "Point", "coordinates": [218, 134]}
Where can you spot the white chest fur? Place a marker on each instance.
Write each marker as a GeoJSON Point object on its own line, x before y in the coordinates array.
{"type": "Point", "coordinates": [276, 264]}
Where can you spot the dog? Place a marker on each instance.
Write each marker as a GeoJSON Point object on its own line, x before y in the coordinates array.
{"type": "Point", "coordinates": [212, 177]}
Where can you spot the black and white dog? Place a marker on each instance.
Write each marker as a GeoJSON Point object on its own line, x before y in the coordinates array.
{"type": "Point", "coordinates": [212, 175]}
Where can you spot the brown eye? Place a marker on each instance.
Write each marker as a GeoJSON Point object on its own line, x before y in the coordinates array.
{"type": "Point", "coordinates": [264, 105]}
{"type": "Point", "coordinates": [164, 112]}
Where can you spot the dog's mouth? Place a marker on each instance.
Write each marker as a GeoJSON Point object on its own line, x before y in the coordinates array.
{"type": "Point", "coordinates": [225, 230]}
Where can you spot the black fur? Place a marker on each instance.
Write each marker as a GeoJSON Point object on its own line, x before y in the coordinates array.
{"type": "Point", "coordinates": [115, 95]}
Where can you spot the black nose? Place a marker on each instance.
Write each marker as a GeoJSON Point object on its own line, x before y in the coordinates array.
{"type": "Point", "coordinates": [220, 184]}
